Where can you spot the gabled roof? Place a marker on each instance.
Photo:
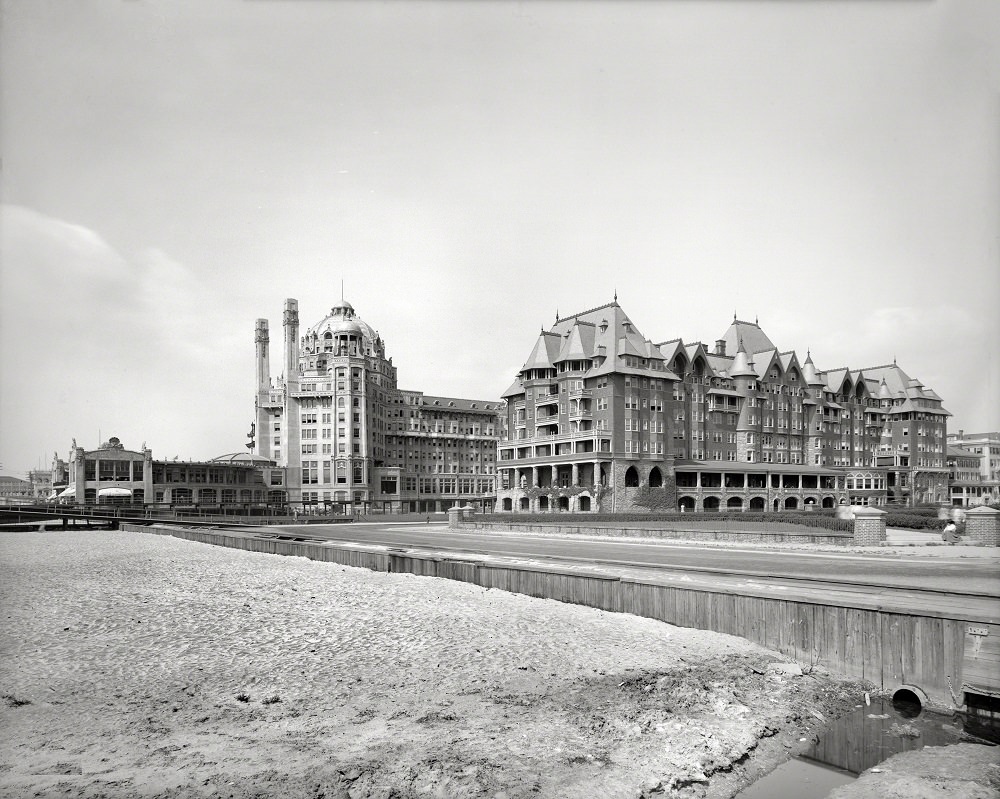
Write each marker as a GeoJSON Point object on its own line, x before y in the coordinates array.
{"type": "Point", "coordinates": [763, 360]}
{"type": "Point", "coordinates": [835, 378]}
{"type": "Point", "coordinates": [789, 360]}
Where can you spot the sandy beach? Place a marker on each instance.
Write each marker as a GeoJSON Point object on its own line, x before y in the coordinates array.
{"type": "Point", "coordinates": [136, 665]}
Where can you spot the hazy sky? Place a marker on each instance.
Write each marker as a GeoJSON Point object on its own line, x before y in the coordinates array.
{"type": "Point", "coordinates": [174, 170]}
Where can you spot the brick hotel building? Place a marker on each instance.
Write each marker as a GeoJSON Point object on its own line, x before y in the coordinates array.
{"type": "Point", "coordinates": [601, 418]}
{"type": "Point", "coordinates": [348, 437]}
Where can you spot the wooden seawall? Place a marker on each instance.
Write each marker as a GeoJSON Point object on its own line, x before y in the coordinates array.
{"type": "Point", "coordinates": [884, 637]}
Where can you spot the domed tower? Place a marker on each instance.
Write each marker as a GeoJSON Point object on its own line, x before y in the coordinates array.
{"type": "Point", "coordinates": [341, 333]}
{"type": "Point", "coordinates": [323, 422]}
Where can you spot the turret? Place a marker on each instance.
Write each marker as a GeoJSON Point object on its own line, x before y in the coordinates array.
{"type": "Point", "coordinates": [291, 354]}
{"type": "Point", "coordinates": [262, 339]}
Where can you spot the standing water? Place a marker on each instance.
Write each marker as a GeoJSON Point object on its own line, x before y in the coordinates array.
{"type": "Point", "coordinates": [859, 740]}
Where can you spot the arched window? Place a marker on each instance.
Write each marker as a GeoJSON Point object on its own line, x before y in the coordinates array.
{"type": "Point", "coordinates": [734, 503]}
{"type": "Point", "coordinates": [631, 477]}
{"type": "Point", "coordinates": [655, 477]}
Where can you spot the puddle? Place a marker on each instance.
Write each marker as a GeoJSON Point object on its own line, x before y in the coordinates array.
{"type": "Point", "coordinates": [859, 740]}
{"type": "Point", "coordinates": [797, 779]}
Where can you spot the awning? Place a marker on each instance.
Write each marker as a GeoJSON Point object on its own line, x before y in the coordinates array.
{"type": "Point", "coordinates": [68, 492]}
{"type": "Point", "coordinates": [114, 492]}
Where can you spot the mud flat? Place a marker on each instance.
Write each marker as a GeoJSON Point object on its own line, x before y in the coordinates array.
{"type": "Point", "coordinates": [135, 665]}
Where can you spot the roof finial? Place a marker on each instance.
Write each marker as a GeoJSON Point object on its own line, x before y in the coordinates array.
{"type": "Point", "coordinates": [734, 314]}
{"type": "Point", "coordinates": [557, 314]}
{"type": "Point", "coordinates": [616, 294]}
{"type": "Point", "coordinates": [756, 320]}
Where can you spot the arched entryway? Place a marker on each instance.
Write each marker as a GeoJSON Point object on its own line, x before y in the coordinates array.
{"type": "Point", "coordinates": [757, 503]}
{"type": "Point", "coordinates": [543, 503]}
{"type": "Point", "coordinates": [584, 503]}
{"type": "Point", "coordinates": [734, 503]}
{"type": "Point", "coordinates": [563, 503]}
{"type": "Point", "coordinates": [827, 502]}
{"type": "Point", "coordinates": [655, 477]}
{"type": "Point", "coordinates": [525, 503]}
{"type": "Point", "coordinates": [508, 504]}
{"type": "Point", "coordinates": [631, 477]}
{"type": "Point", "coordinates": [710, 503]}
{"type": "Point", "coordinates": [791, 503]}
{"type": "Point", "coordinates": [686, 503]}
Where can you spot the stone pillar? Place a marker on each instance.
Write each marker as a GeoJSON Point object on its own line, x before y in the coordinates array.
{"type": "Point", "coordinates": [982, 526]}
{"type": "Point", "coordinates": [534, 477]}
{"type": "Point", "coordinates": [869, 526]}
{"type": "Point", "coordinates": [575, 479]}
{"type": "Point", "coordinates": [455, 518]}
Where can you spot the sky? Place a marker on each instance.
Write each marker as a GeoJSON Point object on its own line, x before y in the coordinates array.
{"type": "Point", "coordinates": [461, 172]}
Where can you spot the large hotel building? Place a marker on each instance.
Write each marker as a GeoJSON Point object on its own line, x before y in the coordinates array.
{"type": "Point", "coordinates": [602, 419]}
{"type": "Point", "coordinates": [348, 437]}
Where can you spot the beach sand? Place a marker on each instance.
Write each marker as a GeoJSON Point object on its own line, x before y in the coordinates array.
{"type": "Point", "coordinates": [135, 665]}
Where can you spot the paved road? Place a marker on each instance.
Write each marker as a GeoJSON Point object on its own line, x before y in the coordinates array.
{"type": "Point", "coordinates": [947, 572]}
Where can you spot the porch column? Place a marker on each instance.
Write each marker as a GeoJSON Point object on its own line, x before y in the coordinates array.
{"type": "Point", "coordinates": [575, 479]}
{"type": "Point", "coordinates": [534, 477]}
{"type": "Point", "coordinates": [597, 473]}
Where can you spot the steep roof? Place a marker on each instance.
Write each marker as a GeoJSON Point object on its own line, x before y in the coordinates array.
{"type": "Point", "coordinates": [754, 339]}
{"type": "Point", "coordinates": [545, 351]}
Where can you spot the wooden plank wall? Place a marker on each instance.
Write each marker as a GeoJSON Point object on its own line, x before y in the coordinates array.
{"type": "Point", "coordinates": [888, 650]}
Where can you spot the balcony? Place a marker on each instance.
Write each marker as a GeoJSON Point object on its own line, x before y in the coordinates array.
{"type": "Point", "coordinates": [547, 399]}
{"type": "Point", "coordinates": [580, 392]}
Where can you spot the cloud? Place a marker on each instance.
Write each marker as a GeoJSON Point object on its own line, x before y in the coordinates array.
{"type": "Point", "coordinates": [95, 340]}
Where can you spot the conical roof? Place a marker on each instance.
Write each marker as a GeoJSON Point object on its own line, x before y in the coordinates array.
{"type": "Point", "coordinates": [741, 363]}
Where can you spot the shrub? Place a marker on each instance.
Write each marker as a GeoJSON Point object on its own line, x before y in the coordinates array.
{"type": "Point", "coordinates": [913, 521]}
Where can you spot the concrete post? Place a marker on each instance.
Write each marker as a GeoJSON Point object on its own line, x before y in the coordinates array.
{"type": "Point", "coordinates": [869, 526]}
{"type": "Point", "coordinates": [454, 518]}
{"type": "Point", "coordinates": [982, 526]}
